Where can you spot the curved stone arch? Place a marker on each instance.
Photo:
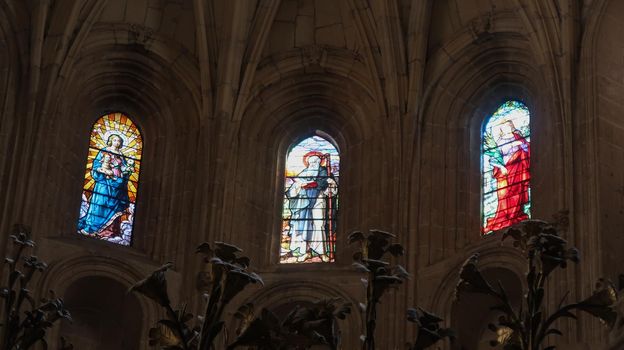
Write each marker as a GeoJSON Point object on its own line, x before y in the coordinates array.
{"type": "Point", "coordinates": [170, 61]}
{"type": "Point", "coordinates": [455, 107]}
{"type": "Point", "coordinates": [60, 275]}
{"type": "Point", "coordinates": [163, 104]}
{"type": "Point", "coordinates": [468, 38]}
{"type": "Point", "coordinates": [491, 257]}
{"type": "Point", "coordinates": [472, 314]}
{"type": "Point", "coordinates": [294, 96]}
{"type": "Point", "coordinates": [281, 293]}
{"type": "Point", "coordinates": [339, 62]}
{"type": "Point", "coordinates": [298, 103]}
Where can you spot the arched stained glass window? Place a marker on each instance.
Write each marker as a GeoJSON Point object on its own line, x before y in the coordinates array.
{"type": "Point", "coordinates": [506, 158]}
{"type": "Point", "coordinates": [111, 180]}
{"type": "Point", "coordinates": [310, 202]}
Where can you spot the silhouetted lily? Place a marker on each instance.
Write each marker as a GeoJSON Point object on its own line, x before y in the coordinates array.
{"type": "Point", "coordinates": [155, 286]}
{"type": "Point", "coordinates": [21, 237]}
{"type": "Point", "coordinates": [264, 332]}
{"type": "Point", "coordinates": [471, 280]}
{"type": "Point", "coordinates": [165, 335]}
{"type": "Point", "coordinates": [18, 332]}
{"type": "Point", "coordinates": [429, 330]}
{"type": "Point", "coordinates": [527, 327]}
{"type": "Point", "coordinates": [34, 263]}
{"type": "Point", "coordinates": [236, 281]}
{"type": "Point", "coordinates": [602, 302]}
{"type": "Point", "coordinates": [318, 321]}
{"type": "Point", "coordinates": [381, 274]}
{"type": "Point", "coordinates": [552, 252]}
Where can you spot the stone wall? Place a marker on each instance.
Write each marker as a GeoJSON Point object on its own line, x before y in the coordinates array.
{"type": "Point", "coordinates": [221, 89]}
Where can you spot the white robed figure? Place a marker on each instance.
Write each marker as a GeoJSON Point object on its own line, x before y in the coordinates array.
{"type": "Point", "coordinates": [309, 198]}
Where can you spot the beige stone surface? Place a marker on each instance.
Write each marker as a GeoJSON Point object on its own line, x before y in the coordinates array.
{"type": "Point", "coordinates": [221, 89]}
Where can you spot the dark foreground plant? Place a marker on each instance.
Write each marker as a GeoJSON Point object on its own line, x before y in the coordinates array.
{"type": "Point", "coordinates": [304, 327]}
{"type": "Point", "coordinates": [526, 327]}
{"type": "Point", "coordinates": [229, 276]}
{"type": "Point", "coordinates": [429, 330]}
{"type": "Point", "coordinates": [615, 340]}
{"type": "Point", "coordinates": [25, 321]}
{"type": "Point", "coordinates": [381, 274]}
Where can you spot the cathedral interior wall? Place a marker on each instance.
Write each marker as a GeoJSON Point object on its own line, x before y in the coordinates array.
{"type": "Point", "coordinates": [220, 91]}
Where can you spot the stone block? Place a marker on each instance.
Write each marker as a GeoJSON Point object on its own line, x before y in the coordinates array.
{"type": "Point", "coordinates": [327, 12]}
{"type": "Point", "coordinates": [135, 11]}
{"type": "Point", "coordinates": [331, 35]}
{"type": "Point", "coordinates": [287, 11]}
{"type": "Point", "coordinates": [113, 11]}
{"type": "Point", "coordinates": [304, 31]}
{"type": "Point", "coordinates": [153, 18]}
{"type": "Point", "coordinates": [282, 37]}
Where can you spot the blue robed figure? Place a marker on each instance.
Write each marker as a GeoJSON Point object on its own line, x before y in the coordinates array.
{"type": "Point", "coordinates": [109, 199]}
{"type": "Point", "coordinates": [307, 202]}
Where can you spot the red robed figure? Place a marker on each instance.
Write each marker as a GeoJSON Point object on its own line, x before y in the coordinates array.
{"type": "Point", "coordinates": [512, 185]}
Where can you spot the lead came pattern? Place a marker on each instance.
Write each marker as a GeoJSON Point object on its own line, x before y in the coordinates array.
{"type": "Point", "coordinates": [310, 202]}
{"type": "Point", "coordinates": [111, 180]}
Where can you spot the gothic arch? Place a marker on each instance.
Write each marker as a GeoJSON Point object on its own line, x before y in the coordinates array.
{"type": "Point", "coordinates": [104, 315]}
{"type": "Point", "coordinates": [62, 274]}
{"type": "Point", "coordinates": [288, 292]}
{"type": "Point", "coordinates": [471, 315]}
{"type": "Point", "coordinates": [159, 92]}
{"type": "Point", "coordinates": [455, 106]}
{"type": "Point", "coordinates": [491, 256]}
{"type": "Point", "coordinates": [295, 97]}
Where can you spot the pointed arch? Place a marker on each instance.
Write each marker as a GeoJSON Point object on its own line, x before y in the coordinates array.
{"type": "Point", "coordinates": [111, 179]}
{"type": "Point", "coordinates": [310, 201]}
{"type": "Point", "coordinates": [505, 157]}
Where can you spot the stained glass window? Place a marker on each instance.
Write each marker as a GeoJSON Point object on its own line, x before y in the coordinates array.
{"type": "Point", "coordinates": [111, 180]}
{"type": "Point", "coordinates": [310, 202]}
{"type": "Point", "coordinates": [506, 158]}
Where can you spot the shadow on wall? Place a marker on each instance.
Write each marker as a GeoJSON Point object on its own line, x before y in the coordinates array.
{"type": "Point", "coordinates": [104, 315]}
{"type": "Point", "coordinates": [472, 314]}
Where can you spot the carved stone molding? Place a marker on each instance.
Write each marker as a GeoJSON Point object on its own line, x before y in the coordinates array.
{"type": "Point", "coordinates": [314, 55]}
{"type": "Point", "coordinates": [140, 35]}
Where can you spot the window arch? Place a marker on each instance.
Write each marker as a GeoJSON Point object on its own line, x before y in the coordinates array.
{"type": "Point", "coordinates": [506, 193]}
{"type": "Point", "coordinates": [111, 179]}
{"type": "Point", "coordinates": [310, 202]}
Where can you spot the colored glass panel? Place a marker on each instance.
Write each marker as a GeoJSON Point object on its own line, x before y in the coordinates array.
{"type": "Point", "coordinates": [506, 158]}
{"type": "Point", "coordinates": [111, 180]}
{"type": "Point", "coordinates": [310, 202]}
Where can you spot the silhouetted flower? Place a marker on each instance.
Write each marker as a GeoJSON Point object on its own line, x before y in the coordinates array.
{"type": "Point", "coordinates": [236, 281]}
{"type": "Point", "coordinates": [429, 330]}
{"type": "Point", "coordinates": [165, 335]}
{"type": "Point", "coordinates": [378, 243]}
{"type": "Point", "coordinates": [34, 263]}
{"type": "Point", "coordinates": [155, 286]}
{"type": "Point", "coordinates": [552, 252]}
{"type": "Point", "coordinates": [602, 302]}
{"type": "Point", "coordinates": [226, 252]}
{"type": "Point", "coordinates": [471, 280]}
{"type": "Point", "coordinates": [264, 332]}
{"type": "Point", "coordinates": [522, 232]}
{"type": "Point", "coordinates": [22, 238]}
